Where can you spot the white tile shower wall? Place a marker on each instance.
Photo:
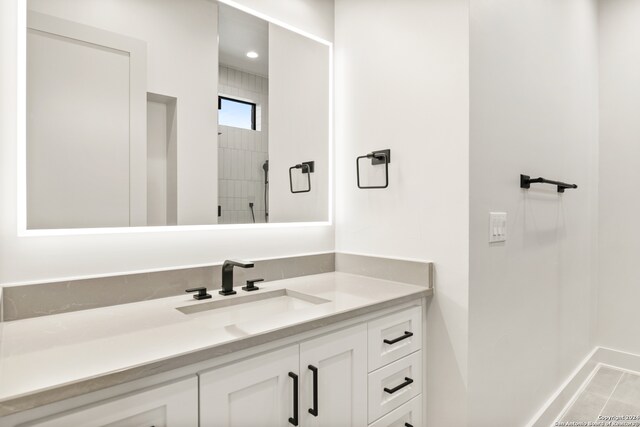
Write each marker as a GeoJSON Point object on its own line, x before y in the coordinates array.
{"type": "Point", "coordinates": [242, 152]}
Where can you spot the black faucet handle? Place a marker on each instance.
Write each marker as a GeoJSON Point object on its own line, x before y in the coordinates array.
{"type": "Point", "coordinates": [201, 293]}
{"type": "Point", "coordinates": [237, 263]}
{"type": "Point", "coordinates": [251, 285]}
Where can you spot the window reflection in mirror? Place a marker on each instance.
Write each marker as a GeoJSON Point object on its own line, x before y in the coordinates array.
{"type": "Point", "coordinates": [243, 89]}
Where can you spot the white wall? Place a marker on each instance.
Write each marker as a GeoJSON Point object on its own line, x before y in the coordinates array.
{"type": "Point", "coordinates": [299, 126]}
{"type": "Point", "coordinates": [162, 160]}
{"type": "Point", "coordinates": [37, 258]}
{"type": "Point", "coordinates": [619, 206]}
{"type": "Point", "coordinates": [533, 111]}
{"type": "Point", "coordinates": [402, 83]}
{"type": "Point", "coordinates": [312, 16]}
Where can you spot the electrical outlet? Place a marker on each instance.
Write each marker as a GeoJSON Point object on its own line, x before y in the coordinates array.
{"type": "Point", "coordinates": [497, 227]}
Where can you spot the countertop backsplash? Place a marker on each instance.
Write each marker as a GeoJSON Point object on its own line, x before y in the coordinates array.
{"type": "Point", "coordinates": [62, 296]}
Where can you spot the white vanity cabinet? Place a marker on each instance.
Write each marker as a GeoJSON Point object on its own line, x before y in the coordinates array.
{"type": "Point", "coordinates": [255, 392]}
{"type": "Point", "coordinates": [333, 371]}
{"type": "Point", "coordinates": [408, 415]}
{"type": "Point", "coordinates": [171, 405]}
{"type": "Point", "coordinates": [365, 373]}
{"type": "Point", "coordinates": [395, 369]}
{"type": "Point", "coordinates": [329, 374]}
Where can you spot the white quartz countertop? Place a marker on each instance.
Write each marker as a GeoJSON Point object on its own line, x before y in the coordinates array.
{"type": "Point", "coordinates": [46, 359]}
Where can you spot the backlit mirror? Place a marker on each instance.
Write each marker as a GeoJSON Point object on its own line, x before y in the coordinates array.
{"type": "Point", "coordinates": [165, 113]}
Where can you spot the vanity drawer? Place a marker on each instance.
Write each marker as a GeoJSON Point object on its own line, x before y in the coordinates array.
{"type": "Point", "coordinates": [395, 384]}
{"type": "Point", "coordinates": [409, 414]}
{"type": "Point", "coordinates": [394, 336]}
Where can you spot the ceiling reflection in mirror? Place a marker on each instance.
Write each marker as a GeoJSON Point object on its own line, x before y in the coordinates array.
{"type": "Point", "coordinates": [166, 113]}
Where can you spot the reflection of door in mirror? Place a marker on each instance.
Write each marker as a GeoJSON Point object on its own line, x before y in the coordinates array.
{"type": "Point", "coordinates": [243, 117]}
{"type": "Point", "coordinates": [84, 92]}
{"type": "Point", "coordinates": [121, 129]}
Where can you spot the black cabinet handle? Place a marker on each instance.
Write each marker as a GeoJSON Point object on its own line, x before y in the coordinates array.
{"type": "Point", "coordinates": [406, 382]}
{"type": "Point", "coordinates": [314, 411]}
{"type": "Point", "coordinates": [406, 335]}
{"type": "Point", "coordinates": [408, 425]}
{"type": "Point", "coordinates": [294, 420]}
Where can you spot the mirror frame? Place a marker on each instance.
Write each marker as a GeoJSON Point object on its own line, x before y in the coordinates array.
{"type": "Point", "coordinates": [23, 231]}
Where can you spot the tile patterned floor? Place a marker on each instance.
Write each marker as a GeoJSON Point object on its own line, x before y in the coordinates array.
{"type": "Point", "coordinates": [611, 392]}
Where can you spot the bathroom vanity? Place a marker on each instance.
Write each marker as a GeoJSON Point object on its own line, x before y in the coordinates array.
{"type": "Point", "coordinates": [328, 349]}
{"type": "Point", "coordinates": [306, 349]}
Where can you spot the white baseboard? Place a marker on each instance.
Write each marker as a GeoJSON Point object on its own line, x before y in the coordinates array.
{"type": "Point", "coordinates": [618, 359]}
{"type": "Point", "coordinates": [570, 388]}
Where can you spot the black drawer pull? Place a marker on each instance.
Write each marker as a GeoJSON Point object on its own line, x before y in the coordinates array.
{"type": "Point", "coordinates": [406, 382]}
{"type": "Point", "coordinates": [314, 411]}
{"type": "Point", "coordinates": [406, 335]}
{"type": "Point", "coordinates": [408, 425]}
{"type": "Point", "coordinates": [294, 420]}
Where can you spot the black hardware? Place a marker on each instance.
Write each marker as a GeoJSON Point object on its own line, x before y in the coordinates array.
{"type": "Point", "coordinates": [201, 293]}
{"type": "Point", "coordinates": [253, 215]}
{"type": "Point", "coordinates": [227, 275]}
{"type": "Point", "coordinates": [265, 168]}
{"type": "Point", "coordinates": [251, 285]}
{"type": "Point", "coordinates": [408, 425]}
{"type": "Point", "coordinates": [311, 167]}
{"type": "Point", "coordinates": [406, 335]}
{"type": "Point", "coordinates": [526, 181]}
{"type": "Point", "coordinates": [314, 411]}
{"type": "Point", "coordinates": [406, 382]}
{"type": "Point", "coordinates": [379, 157]}
{"type": "Point", "coordinates": [219, 210]}
{"type": "Point", "coordinates": [294, 420]}
{"type": "Point", "coordinates": [307, 168]}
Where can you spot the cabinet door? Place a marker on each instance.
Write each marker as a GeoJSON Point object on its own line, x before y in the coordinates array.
{"type": "Point", "coordinates": [254, 392]}
{"type": "Point", "coordinates": [333, 374]}
{"type": "Point", "coordinates": [172, 405]}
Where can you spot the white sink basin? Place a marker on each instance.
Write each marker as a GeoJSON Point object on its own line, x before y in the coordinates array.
{"type": "Point", "coordinates": [257, 305]}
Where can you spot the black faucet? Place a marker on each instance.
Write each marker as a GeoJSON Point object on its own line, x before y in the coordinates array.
{"type": "Point", "coordinates": [227, 275]}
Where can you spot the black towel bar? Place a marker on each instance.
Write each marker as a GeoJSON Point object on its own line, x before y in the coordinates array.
{"type": "Point", "coordinates": [526, 181]}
